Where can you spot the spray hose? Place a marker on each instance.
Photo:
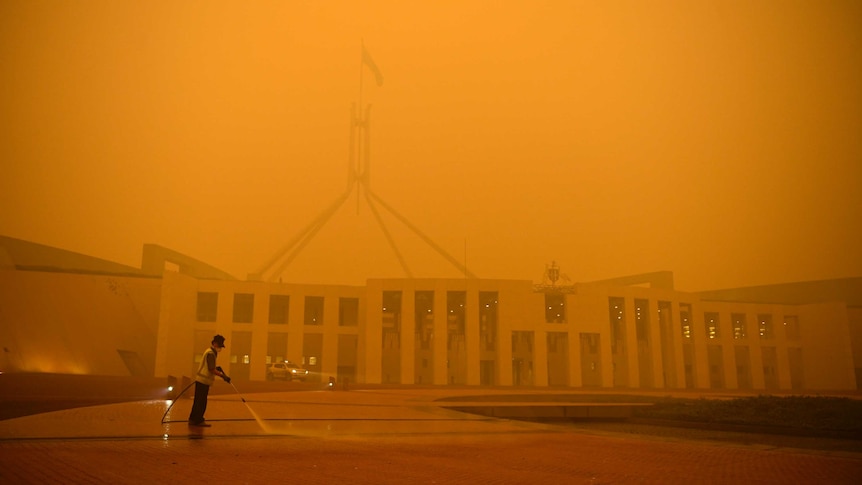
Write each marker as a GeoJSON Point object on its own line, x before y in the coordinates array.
{"type": "Point", "coordinates": [175, 400]}
{"type": "Point", "coordinates": [228, 380]}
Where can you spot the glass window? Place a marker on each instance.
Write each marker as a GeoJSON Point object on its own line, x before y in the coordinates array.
{"type": "Point", "coordinates": [276, 347]}
{"type": "Point", "coordinates": [278, 309]}
{"type": "Point", "coordinates": [555, 308]}
{"type": "Point", "coordinates": [642, 320]}
{"type": "Point", "coordinates": [685, 319]}
{"type": "Point", "coordinates": [710, 319]}
{"type": "Point", "coordinates": [488, 319]}
{"type": "Point", "coordinates": [207, 306]}
{"type": "Point", "coordinates": [738, 320]}
{"type": "Point", "coordinates": [455, 311]}
{"type": "Point", "coordinates": [424, 318]}
{"type": "Point", "coordinates": [765, 326]}
{"type": "Point", "coordinates": [791, 327]}
{"type": "Point", "coordinates": [616, 316]}
{"type": "Point", "coordinates": [243, 307]}
{"type": "Point", "coordinates": [313, 310]}
{"type": "Point", "coordinates": [391, 311]}
{"type": "Point", "coordinates": [348, 312]}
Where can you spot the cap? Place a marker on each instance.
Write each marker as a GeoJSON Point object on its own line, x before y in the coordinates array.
{"type": "Point", "coordinates": [218, 340]}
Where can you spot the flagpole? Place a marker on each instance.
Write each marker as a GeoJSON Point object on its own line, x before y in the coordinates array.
{"type": "Point", "coordinates": [358, 122]}
{"type": "Point", "coordinates": [361, 68]}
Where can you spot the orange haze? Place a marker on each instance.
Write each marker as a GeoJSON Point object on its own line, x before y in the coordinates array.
{"type": "Point", "coordinates": [716, 139]}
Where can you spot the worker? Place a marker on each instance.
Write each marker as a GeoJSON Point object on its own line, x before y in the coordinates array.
{"type": "Point", "coordinates": [205, 377]}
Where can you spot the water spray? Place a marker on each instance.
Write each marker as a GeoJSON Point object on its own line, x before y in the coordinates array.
{"type": "Point", "coordinates": [238, 394]}
{"type": "Point", "coordinates": [228, 380]}
{"type": "Point", "coordinates": [257, 418]}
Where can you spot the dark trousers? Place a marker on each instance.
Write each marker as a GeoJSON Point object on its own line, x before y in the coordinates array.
{"type": "Point", "coordinates": [200, 405]}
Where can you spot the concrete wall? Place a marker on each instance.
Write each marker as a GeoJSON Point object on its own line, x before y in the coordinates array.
{"type": "Point", "coordinates": [78, 323]}
{"type": "Point", "coordinates": [827, 348]}
{"type": "Point", "coordinates": [182, 338]}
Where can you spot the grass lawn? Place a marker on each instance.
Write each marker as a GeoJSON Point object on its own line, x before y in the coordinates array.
{"type": "Point", "coordinates": [799, 412]}
{"type": "Point", "coordinates": [807, 414]}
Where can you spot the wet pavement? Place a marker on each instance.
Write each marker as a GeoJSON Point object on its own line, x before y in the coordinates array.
{"type": "Point", "coordinates": [375, 436]}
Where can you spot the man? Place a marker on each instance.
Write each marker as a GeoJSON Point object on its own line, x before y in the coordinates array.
{"type": "Point", "coordinates": [205, 377]}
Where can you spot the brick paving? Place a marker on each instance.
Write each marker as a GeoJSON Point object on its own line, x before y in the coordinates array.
{"type": "Point", "coordinates": [379, 437]}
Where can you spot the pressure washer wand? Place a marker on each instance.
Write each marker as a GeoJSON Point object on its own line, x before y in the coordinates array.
{"type": "Point", "coordinates": [237, 393]}
{"type": "Point", "coordinates": [228, 380]}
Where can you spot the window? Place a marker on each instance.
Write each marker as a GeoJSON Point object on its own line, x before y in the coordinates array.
{"type": "Point", "coordinates": [738, 320]}
{"type": "Point", "coordinates": [557, 342]}
{"type": "Point", "coordinates": [710, 319]}
{"type": "Point", "coordinates": [278, 309]}
{"type": "Point", "coordinates": [207, 305]}
{"type": "Point", "coordinates": [348, 312]}
{"type": "Point", "coordinates": [555, 308]}
{"type": "Point", "coordinates": [617, 323]}
{"type": "Point", "coordinates": [642, 320]}
{"type": "Point", "coordinates": [685, 319]}
{"type": "Point", "coordinates": [313, 310]}
{"type": "Point", "coordinates": [766, 330]}
{"type": "Point", "coordinates": [391, 311]}
{"type": "Point", "coordinates": [243, 307]}
{"type": "Point", "coordinates": [770, 367]}
{"type": "Point", "coordinates": [791, 327]}
{"type": "Point", "coordinates": [424, 318]}
{"type": "Point", "coordinates": [590, 343]}
{"type": "Point", "coordinates": [455, 311]}
{"type": "Point", "coordinates": [276, 347]}
{"type": "Point", "coordinates": [488, 319]}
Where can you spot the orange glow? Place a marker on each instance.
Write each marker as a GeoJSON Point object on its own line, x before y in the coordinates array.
{"type": "Point", "coordinates": [718, 140]}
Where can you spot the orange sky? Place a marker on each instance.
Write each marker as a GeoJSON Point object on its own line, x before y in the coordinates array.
{"type": "Point", "coordinates": [719, 140]}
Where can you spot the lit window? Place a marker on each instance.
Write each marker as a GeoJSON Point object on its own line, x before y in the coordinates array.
{"type": "Point", "coordinates": [738, 320]}
{"type": "Point", "coordinates": [711, 321]}
{"type": "Point", "coordinates": [685, 319]}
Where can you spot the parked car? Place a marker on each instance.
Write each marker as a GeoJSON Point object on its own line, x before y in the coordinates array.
{"type": "Point", "coordinates": [286, 370]}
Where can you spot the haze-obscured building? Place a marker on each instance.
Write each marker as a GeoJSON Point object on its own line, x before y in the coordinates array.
{"type": "Point", "coordinates": [70, 313]}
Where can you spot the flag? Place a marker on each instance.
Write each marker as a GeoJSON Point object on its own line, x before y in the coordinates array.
{"type": "Point", "coordinates": [368, 61]}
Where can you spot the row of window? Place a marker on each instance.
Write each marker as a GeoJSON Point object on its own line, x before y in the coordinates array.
{"type": "Point", "coordinates": [348, 309]}
{"type": "Point", "coordinates": [348, 313]}
{"type": "Point", "coordinates": [764, 328]}
{"type": "Point", "coordinates": [243, 309]}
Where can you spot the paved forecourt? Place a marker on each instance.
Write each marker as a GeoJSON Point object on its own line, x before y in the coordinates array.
{"type": "Point", "coordinates": [371, 436]}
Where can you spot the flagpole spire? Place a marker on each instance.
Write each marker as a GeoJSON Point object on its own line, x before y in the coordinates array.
{"type": "Point", "coordinates": [361, 69]}
{"type": "Point", "coordinates": [357, 127]}
{"type": "Point", "coordinates": [362, 125]}
{"type": "Point", "coordinates": [359, 175]}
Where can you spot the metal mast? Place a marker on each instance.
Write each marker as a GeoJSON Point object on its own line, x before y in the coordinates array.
{"type": "Point", "coordinates": [359, 178]}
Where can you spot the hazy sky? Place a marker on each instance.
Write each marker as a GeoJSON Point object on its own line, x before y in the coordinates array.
{"type": "Point", "coordinates": [716, 139]}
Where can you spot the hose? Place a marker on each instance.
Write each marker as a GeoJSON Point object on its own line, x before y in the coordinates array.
{"type": "Point", "coordinates": [177, 399]}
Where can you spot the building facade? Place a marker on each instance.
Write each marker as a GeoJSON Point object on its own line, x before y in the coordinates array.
{"type": "Point", "coordinates": [70, 313]}
{"type": "Point", "coordinates": [479, 332]}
